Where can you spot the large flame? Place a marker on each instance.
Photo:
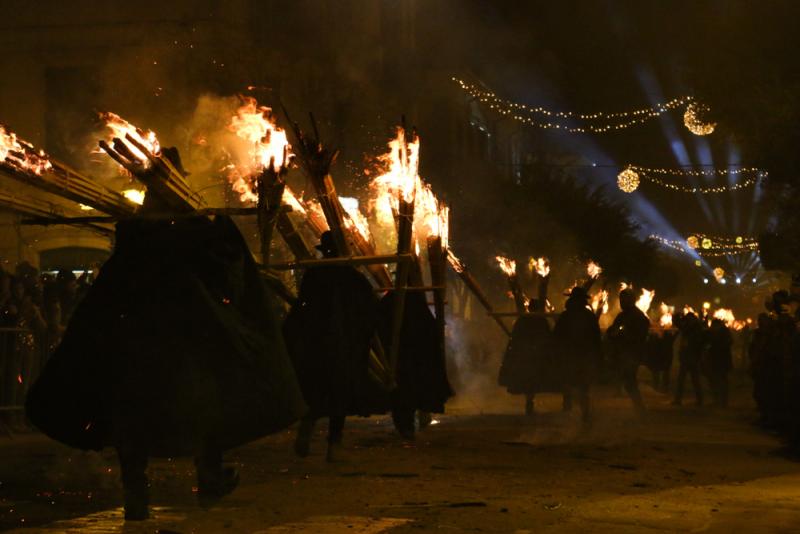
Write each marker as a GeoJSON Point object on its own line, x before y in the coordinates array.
{"type": "Point", "coordinates": [688, 309]}
{"type": "Point", "coordinates": [119, 128]}
{"type": "Point", "coordinates": [431, 217]}
{"type": "Point", "coordinates": [593, 270]}
{"type": "Point", "coordinates": [507, 265]}
{"type": "Point", "coordinates": [354, 219]}
{"type": "Point", "coordinates": [541, 265]}
{"type": "Point", "coordinates": [21, 154]}
{"type": "Point", "coordinates": [268, 146]}
{"type": "Point", "coordinates": [643, 303]}
{"type": "Point", "coordinates": [399, 178]}
{"type": "Point", "coordinates": [666, 315]}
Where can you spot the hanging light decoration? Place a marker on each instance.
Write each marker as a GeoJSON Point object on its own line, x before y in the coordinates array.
{"type": "Point", "coordinates": [693, 119]}
{"type": "Point", "coordinates": [692, 241]}
{"type": "Point", "coordinates": [719, 274]}
{"type": "Point", "coordinates": [628, 180]}
{"type": "Point", "coordinates": [706, 243]}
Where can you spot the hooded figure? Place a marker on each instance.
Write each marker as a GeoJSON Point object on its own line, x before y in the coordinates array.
{"type": "Point", "coordinates": [328, 332]}
{"type": "Point", "coordinates": [529, 366]}
{"type": "Point", "coordinates": [628, 336]}
{"type": "Point", "coordinates": [577, 339]}
{"type": "Point", "coordinates": [174, 351]}
{"type": "Point", "coordinates": [422, 382]}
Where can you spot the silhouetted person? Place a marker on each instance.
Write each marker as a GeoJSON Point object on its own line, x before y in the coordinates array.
{"type": "Point", "coordinates": [422, 383]}
{"type": "Point", "coordinates": [528, 364]}
{"type": "Point", "coordinates": [690, 352]}
{"type": "Point", "coordinates": [174, 351]}
{"type": "Point", "coordinates": [578, 340]}
{"type": "Point", "coordinates": [328, 333]}
{"type": "Point", "coordinates": [628, 335]}
{"type": "Point", "coordinates": [720, 360]}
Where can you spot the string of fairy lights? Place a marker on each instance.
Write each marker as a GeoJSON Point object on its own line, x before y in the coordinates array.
{"type": "Point", "coordinates": [695, 119]}
{"type": "Point", "coordinates": [711, 246]}
{"type": "Point", "coordinates": [598, 122]}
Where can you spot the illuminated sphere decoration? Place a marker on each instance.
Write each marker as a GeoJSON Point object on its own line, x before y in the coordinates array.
{"type": "Point", "coordinates": [739, 240]}
{"type": "Point", "coordinates": [692, 241]}
{"type": "Point", "coordinates": [719, 274]}
{"type": "Point", "coordinates": [693, 119]}
{"type": "Point", "coordinates": [706, 243]}
{"type": "Point", "coordinates": [628, 180]}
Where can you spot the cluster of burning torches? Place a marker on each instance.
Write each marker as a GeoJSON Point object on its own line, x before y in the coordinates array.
{"type": "Point", "coordinates": [403, 210]}
{"type": "Point", "coordinates": [599, 301]}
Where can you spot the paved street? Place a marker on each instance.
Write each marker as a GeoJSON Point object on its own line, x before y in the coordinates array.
{"type": "Point", "coordinates": [678, 470]}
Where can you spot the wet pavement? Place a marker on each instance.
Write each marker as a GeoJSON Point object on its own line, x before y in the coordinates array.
{"type": "Point", "coordinates": [483, 468]}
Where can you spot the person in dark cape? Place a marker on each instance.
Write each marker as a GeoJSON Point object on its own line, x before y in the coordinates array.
{"type": "Point", "coordinates": [328, 332]}
{"type": "Point", "coordinates": [690, 352]}
{"type": "Point", "coordinates": [422, 383]}
{"type": "Point", "coordinates": [628, 336]}
{"type": "Point", "coordinates": [529, 366]}
{"type": "Point", "coordinates": [720, 360]}
{"type": "Point", "coordinates": [174, 351]}
{"type": "Point", "coordinates": [578, 340]}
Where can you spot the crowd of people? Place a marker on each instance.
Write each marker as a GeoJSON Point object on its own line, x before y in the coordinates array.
{"type": "Point", "coordinates": [34, 311]}
{"type": "Point", "coordinates": [571, 355]}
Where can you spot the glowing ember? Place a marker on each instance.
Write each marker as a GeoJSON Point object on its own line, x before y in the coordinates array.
{"type": "Point", "coordinates": [134, 195]}
{"type": "Point", "coordinates": [21, 154]}
{"type": "Point", "coordinates": [119, 128]}
{"type": "Point", "coordinates": [666, 315]}
{"type": "Point", "coordinates": [355, 220]}
{"type": "Point", "coordinates": [600, 301]}
{"type": "Point", "coordinates": [507, 265]}
{"type": "Point", "coordinates": [643, 303]}
{"type": "Point", "coordinates": [593, 270]}
{"type": "Point", "coordinates": [434, 422]}
{"type": "Point", "coordinates": [725, 315]}
{"type": "Point", "coordinates": [540, 265]}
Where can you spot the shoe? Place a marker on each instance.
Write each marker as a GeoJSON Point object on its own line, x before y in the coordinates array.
{"type": "Point", "coordinates": [210, 491]}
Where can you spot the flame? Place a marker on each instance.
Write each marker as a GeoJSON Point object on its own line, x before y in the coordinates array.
{"type": "Point", "coordinates": [600, 301]}
{"type": "Point", "coordinates": [540, 265]}
{"type": "Point", "coordinates": [268, 145]}
{"type": "Point", "coordinates": [593, 270]}
{"type": "Point", "coordinates": [455, 263]}
{"type": "Point", "coordinates": [688, 309]}
{"type": "Point", "coordinates": [316, 215]}
{"type": "Point", "coordinates": [355, 220]}
{"type": "Point", "coordinates": [290, 200]}
{"type": "Point", "coordinates": [507, 265]}
{"type": "Point", "coordinates": [134, 195]}
{"type": "Point", "coordinates": [402, 166]}
{"type": "Point", "coordinates": [725, 315]}
{"type": "Point", "coordinates": [255, 124]}
{"type": "Point", "coordinates": [431, 217]}
{"type": "Point", "coordinates": [643, 303]}
{"type": "Point", "coordinates": [666, 315]}
{"type": "Point", "coordinates": [21, 154]}
{"type": "Point", "coordinates": [119, 128]}
{"type": "Point", "coordinates": [623, 286]}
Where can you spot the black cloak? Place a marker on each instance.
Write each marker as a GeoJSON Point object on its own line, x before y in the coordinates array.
{"type": "Point", "coordinates": [530, 365]}
{"type": "Point", "coordinates": [421, 367]}
{"type": "Point", "coordinates": [175, 346]}
{"type": "Point", "coordinates": [328, 333]}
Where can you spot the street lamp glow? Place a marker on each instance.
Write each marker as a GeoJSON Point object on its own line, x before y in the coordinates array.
{"type": "Point", "coordinates": [705, 280]}
{"type": "Point", "coordinates": [738, 280]}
